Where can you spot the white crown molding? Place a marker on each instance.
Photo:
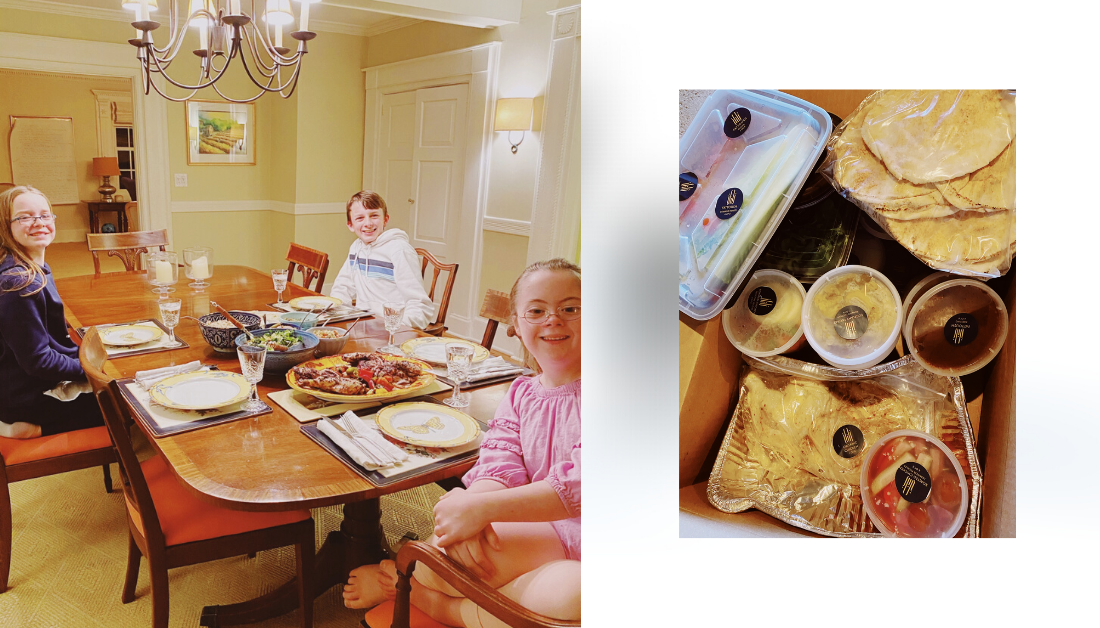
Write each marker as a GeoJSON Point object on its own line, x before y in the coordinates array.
{"type": "Point", "coordinates": [301, 209]}
{"type": "Point", "coordinates": [507, 225]}
{"type": "Point", "coordinates": [391, 24]}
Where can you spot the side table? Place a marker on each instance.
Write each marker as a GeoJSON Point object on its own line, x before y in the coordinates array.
{"type": "Point", "coordinates": [95, 207]}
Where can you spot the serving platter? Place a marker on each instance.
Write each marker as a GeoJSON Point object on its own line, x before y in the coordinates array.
{"type": "Point", "coordinates": [427, 424]}
{"type": "Point", "coordinates": [317, 303]}
{"type": "Point", "coordinates": [433, 350]}
{"type": "Point", "coordinates": [426, 378]}
{"type": "Point", "coordinates": [130, 335]}
{"type": "Point", "coordinates": [201, 390]}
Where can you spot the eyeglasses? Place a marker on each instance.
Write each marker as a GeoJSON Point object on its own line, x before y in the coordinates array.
{"type": "Point", "coordinates": [538, 315]}
{"type": "Point", "coordinates": [26, 221]}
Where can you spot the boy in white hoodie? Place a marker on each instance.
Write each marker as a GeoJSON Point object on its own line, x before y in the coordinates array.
{"type": "Point", "coordinates": [381, 265]}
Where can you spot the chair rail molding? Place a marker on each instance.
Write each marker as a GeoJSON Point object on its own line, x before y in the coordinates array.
{"type": "Point", "coordinates": [507, 225]}
{"type": "Point", "coordinates": [555, 221]}
{"type": "Point", "coordinates": [72, 56]}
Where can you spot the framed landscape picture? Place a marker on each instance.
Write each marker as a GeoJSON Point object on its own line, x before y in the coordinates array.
{"type": "Point", "coordinates": [221, 133]}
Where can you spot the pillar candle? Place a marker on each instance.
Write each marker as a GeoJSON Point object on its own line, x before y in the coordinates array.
{"type": "Point", "coordinates": [303, 25]}
{"type": "Point", "coordinates": [234, 7]}
{"type": "Point", "coordinates": [199, 268]}
{"type": "Point", "coordinates": [164, 272]}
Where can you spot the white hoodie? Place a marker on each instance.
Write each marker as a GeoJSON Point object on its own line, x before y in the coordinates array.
{"type": "Point", "coordinates": [382, 271]}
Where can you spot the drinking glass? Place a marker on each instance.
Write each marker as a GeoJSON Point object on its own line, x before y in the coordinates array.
{"type": "Point", "coordinates": [198, 262]}
{"type": "Point", "coordinates": [279, 277]}
{"type": "Point", "coordinates": [459, 357]}
{"type": "Point", "coordinates": [252, 367]}
{"type": "Point", "coordinates": [170, 316]}
{"type": "Point", "coordinates": [392, 314]}
{"type": "Point", "coordinates": [163, 270]}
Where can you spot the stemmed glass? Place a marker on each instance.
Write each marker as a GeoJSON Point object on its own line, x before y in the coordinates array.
{"type": "Point", "coordinates": [392, 314]}
{"type": "Point", "coordinates": [199, 263]}
{"type": "Point", "coordinates": [170, 316]}
{"type": "Point", "coordinates": [252, 367]}
{"type": "Point", "coordinates": [279, 277]}
{"type": "Point", "coordinates": [459, 357]}
{"type": "Point", "coordinates": [163, 271]}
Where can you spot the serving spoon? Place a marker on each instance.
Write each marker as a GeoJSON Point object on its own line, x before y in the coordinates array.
{"type": "Point", "coordinates": [224, 312]}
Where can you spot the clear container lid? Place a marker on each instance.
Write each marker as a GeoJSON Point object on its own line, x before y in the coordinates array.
{"type": "Point", "coordinates": [957, 327]}
{"type": "Point", "coordinates": [913, 486]}
{"type": "Point", "coordinates": [767, 317]}
{"type": "Point", "coordinates": [851, 317]}
{"type": "Point", "coordinates": [751, 151]}
{"type": "Point", "coordinates": [920, 287]}
{"type": "Point", "coordinates": [810, 242]}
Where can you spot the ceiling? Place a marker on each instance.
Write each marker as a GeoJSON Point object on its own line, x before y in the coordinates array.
{"type": "Point", "coordinates": [353, 17]}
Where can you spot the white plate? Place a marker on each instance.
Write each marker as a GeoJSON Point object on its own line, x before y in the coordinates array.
{"type": "Point", "coordinates": [427, 424]}
{"type": "Point", "coordinates": [434, 350]}
{"type": "Point", "coordinates": [318, 303]}
{"type": "Point", "coordinates": [129, 335]}
{"type": "Point", "coordinates": [201, 391]}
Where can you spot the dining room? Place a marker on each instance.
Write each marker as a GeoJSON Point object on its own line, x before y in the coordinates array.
{"type": "Point", "coordinates": [467, 124]}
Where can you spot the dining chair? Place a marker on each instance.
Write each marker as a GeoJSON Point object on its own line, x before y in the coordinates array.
{"type": "Point", "coordinates": [437, 327]}
{"type": "Point", "coordinates": [131, 210]}
{"type": "Point", "coordinates": [172, 527]}
{"type": "Point", "coordinates": [495, 307]}
{"type": "Point", "coordinates": [312, 263]}
{"type": "Point", "coordinates": [399, 613]}
{"type": "Point", "coordinates": [128, 247]}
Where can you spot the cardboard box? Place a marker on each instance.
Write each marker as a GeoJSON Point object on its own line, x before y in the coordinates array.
{"type": "Point", "coordinates": [710, 367]}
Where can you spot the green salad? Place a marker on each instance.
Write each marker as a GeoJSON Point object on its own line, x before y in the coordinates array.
{"type": "Point", "coordinates": [279, 340]}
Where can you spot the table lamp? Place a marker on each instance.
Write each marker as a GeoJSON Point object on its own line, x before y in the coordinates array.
{"type": "Point", "coordinates": [106, 167]}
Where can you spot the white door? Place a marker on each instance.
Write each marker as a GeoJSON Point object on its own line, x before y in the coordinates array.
{"type": "Point", "coordinates": [396, 131]}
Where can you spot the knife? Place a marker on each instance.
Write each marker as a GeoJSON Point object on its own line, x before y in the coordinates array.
{"type": "Point", "coordinates": [351, 438]}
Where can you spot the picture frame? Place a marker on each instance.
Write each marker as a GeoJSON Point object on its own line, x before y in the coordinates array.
{"type": "Point", "coordinates": [221, 133]}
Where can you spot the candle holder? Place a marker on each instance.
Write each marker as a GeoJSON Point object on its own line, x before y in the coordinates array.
{"type": "Point", "coordinates": [162, 268]}
{"type": "Point", "coordinates": [198, 263]}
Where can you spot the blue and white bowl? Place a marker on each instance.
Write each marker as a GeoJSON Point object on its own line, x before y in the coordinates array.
{"type": "Point", "coordinates": [284, 360]}
{"type": "Point", "coordinates": [221, 338]}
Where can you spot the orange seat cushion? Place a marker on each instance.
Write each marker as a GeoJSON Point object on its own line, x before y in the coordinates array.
{"type": "Point", "coordinates": [19, 450]}
{"type": "Point", "coordinates": [184, 518]}
{"type": "Point", "coordinates": [381, 616]}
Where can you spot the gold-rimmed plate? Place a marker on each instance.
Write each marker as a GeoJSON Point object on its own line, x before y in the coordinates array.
{"type": "Point", "coordinates": [425, 379]}
{"type": "Point", "coordinates": [318, 303]}
{"type": "Point", "coordinates": [433, 350]}
{"type": "Point", "coordinates": [427, 424]}
{"type": "Point", "coordinates": [201, 390]}
{"type": "Point", "coordinates": [130, 335]}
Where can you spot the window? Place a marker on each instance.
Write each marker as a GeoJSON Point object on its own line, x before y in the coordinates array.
{"type": "Point", "coordinates": [124, 142]}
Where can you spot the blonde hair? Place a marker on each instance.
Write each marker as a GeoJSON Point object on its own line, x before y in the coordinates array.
{"type": "Point", "coordinates": [551, 264]}
{"type": "Point", "coordinates": [26, 271]}
{"type": "Point", "coordinates": [369, 200]}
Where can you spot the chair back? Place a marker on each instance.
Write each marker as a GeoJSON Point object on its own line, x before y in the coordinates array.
{"type": "Point", "coordinates": [495, 308]}
{"type": "Point", "coordinates": [128, 247]}
{"type": "Point", "coordinates": [131, 210]}
{"type": "Point", "coordinates": [93, 356]}
{"type": "Point", "coordinates": [312, 263]}
{"type": "Point", "coordinates": [438, 326]}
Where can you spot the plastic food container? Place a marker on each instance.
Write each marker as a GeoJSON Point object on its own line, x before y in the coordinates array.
{"type": "Point", "coordinates": [918, 290]}
{"type": "Point", "coordinates": [810, 242]}
{"type": "Point", "coordinates": [913, 486]}
{"type": "Point", "coordinates": [750, 152]}
{"type": "Point", "coordinates": [767, 317]}
{"type": "Point", "coordinates": [957, 327]}
{"type": "Point", "coordinates": [852, 317]}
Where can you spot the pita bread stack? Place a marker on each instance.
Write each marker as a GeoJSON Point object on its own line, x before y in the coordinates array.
{"type": "Point", "coordinates": [937, 169]}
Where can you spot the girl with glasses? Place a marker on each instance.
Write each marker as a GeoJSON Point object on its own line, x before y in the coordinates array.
{"type": "Point", "coordinates": [517, 524]}
{"type": "Point", "coordinates": [39, 363]}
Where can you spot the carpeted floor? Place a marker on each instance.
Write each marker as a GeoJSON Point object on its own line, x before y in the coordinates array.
{"type": "Point", "coordinates": [69, 559]}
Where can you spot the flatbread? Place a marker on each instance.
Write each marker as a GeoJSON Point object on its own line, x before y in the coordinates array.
{"type": "Point", "coordinates": [992, 188]}
{"type": "Point", "coordinates": [965, 237]}
{"type": "Point", "coordinates": [925, 136]}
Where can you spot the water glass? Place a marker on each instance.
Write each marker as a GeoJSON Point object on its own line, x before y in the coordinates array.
{"type": "Point", "coordinates": [459, 358]}
{"type": "Point", "coordinates": [252, 367]}
{"type": "Point", "coordinates": [170, 316]}
{"type": "Point", "coordinates": [198, 262]}
{"type": "Point", "coordinates": [392, 315]}
{"type": "Point", "coordinates": [279, 277]}
{"type": "Point", "coordinates": [163, 271]}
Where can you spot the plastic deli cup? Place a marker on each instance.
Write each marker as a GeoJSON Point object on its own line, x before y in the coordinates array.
{"type": "Point", "coordinates": [852, 317]}
{"type": "Point", "coordinates": [957, 327]}
{"type": "Point", "coordinates": [767, 317]}
{"type": "Point", "coordinates": [913, 486]}
{"type": "Point", "coordinates": [920, 287]}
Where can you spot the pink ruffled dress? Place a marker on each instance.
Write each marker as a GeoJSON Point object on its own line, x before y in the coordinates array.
{"type": "Point", "coordinates": [536, 435]}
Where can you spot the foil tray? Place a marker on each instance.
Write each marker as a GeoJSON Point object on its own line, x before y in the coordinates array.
{"type": "Point", "coordinates": [739, 482]}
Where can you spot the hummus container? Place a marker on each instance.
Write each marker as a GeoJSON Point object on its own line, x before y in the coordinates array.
{"type": "Point", "coordinates": [913, 486]}
{"type": "Point", "coordinates": [956, 327]}
{"type": "Point", "coordinates": [767, 317]}
{"type": "Point", "coordinates": [919, 288]}
{"type": "Point", "coordinates": [743, 160]}
{"type": "Point", "coordinates": [852, 317]}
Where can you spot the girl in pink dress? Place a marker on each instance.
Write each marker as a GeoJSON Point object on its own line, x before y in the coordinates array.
{"type": "Point", "coordinates": [518, 522]}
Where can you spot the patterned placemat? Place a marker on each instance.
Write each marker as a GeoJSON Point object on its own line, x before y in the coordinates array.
{"type": "Point", "coordinates": [163, 421]}
{"type": "Point", "coordinates": [160, 344]}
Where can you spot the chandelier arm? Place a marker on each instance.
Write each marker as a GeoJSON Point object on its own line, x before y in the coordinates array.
{"type": "Point", "coordinates": [281, 87]}
{"type": "Point", "coordinates": [262, 67]}
{"type": "Point", "coordinates": [157, 89]}
{"type": "Point", "coordinates": [194, 88]}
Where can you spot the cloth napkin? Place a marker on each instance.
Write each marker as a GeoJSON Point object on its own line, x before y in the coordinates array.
{"type": "Point", "coordinates": [493, 367]}
{"type": "Point", "coordinates": [147, 378]}
{"type": "Point", "coordinates": [382, 453]}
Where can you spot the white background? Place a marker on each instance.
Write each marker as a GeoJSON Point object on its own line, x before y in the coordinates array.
{"type": "Point", "coordinates": [637, 572]}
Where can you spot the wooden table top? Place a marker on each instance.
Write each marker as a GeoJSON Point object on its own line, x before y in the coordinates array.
{"type": "Point", "coordinates": [290, 471]}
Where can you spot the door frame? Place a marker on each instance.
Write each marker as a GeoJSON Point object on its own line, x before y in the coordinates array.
{"type": "Point", "coordinates": [477, 67]}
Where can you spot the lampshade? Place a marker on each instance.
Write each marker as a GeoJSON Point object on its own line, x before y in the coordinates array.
{"type": "Point", "coordinates": [514, 114]}
{"type": "Point", "coordinates": [199, 5]}
{"type": "Point", "coordinates": [278, 13]}
{"type": "Point", "coordinates": [133, 5]}
{"type": "Point", "coordinates": [105, 166]}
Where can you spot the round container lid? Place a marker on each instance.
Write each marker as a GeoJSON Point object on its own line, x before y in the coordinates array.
{"type": "Point", "coordinates": [913, 486]}
{"type": "Point", "coordinates": [851, 317]}
{"type": "Point", "coordinates": [921, 287]}
{"type": "Point", "coordinates": [767, 318]}
{"type": "Point", "coordinates": [957, 327]}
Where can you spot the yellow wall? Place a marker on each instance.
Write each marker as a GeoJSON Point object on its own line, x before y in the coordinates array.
{"type": "Point", "coordinates": [257, 238]}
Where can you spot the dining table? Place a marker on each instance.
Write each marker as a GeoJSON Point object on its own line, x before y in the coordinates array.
{"type": "Point", "coordinates": [221, 464]}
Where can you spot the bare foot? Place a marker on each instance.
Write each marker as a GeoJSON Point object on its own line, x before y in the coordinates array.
{"type": "Point", "coordinates": [387, 578]}
{"type": "Point", "coordinates": [362, 589]}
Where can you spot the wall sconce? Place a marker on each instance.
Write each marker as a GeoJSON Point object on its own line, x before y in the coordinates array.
{"type": "Point", "coordinates": [106, 167]}
{"type": "Point", "coordinates": [514, 114]}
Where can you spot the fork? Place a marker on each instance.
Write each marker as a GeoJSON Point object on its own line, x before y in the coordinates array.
{"type": "Point", "coordinates": [360, 438]}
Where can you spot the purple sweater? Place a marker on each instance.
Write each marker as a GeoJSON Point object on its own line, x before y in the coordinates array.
{"type": "Point", "coordinates": [35, 349]}
{"type": "Point", "coordinates": [536, 435]}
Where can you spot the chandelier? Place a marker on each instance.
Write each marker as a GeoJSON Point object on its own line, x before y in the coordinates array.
{"type": "Point", "coordinates": [224, 34]}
